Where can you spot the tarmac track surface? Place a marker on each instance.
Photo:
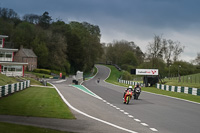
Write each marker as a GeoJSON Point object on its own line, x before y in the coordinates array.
{"type": "Point", "coordinates": [166, 115]}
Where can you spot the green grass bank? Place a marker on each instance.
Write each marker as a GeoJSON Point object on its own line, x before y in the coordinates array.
{"type": "Point", "coordinates": [35, 101]}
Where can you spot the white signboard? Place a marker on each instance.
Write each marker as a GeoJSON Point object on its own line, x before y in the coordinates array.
{"type": "Point", "coordinates": [146, 71]}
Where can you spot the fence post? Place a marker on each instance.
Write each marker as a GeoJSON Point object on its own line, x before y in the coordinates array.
{"type": "Point", "coordinates": [195, 79]}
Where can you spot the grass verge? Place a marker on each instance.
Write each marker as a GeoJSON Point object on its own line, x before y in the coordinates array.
{"type": "Point", "coordinates": [176, 83]}
{"type": "Point", "coordinates": [6, 128]}
{"type": "Point", "coordinates": [36, 101]}
{"type": "Point", "coordinates": [172, 94]}
{"type": "Point", "coordinates": [4, 80]}
{"type": "Point", "coordinates": [115, 74]}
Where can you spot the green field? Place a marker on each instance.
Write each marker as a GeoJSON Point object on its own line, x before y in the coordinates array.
{"type": "Point", "coordinates": [35, 101]}
{"type": "Point", "coordinates": [188, 81]}
{"type": "Point", "coordinates": [115, 74]}
{"type": "Point", "coordinates": [5, 128]}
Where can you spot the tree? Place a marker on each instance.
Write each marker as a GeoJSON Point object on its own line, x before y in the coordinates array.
{"type": "Point", "coordinates": [168, 48]}
{"type": "Point", "coordinates": [86, 41]}
{"type": "Point", "coordinates": [197, 59]}
{"type": "Point", "coordinates": [129, 58]}
{"type": "Point", "coordinates": [164, 49]}
{"type": "Point", "coordinates": [41, 50]}
{"type": "Point", "coordinates": [31, 18]}
{"type": "Point", "coordinates": [23, 35]}
{"type": "Point", "coordinates": [155, 50]}
{"type": "Point", "coordinates": [57, 47]}
{"type": "Point", "coordinates": [178, 49]}
{"type": "Point", "coordinates": [123, 53]}
{"type": "Point", "coordinates": [8, 13]}
{"type": "Point", "coordinates": [45, 20]}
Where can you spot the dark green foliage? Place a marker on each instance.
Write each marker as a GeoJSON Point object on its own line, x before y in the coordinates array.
{"type": "Point", "coordinates": [125, 54]}
{"type": "Point", "coordinates": [45, 71]}
{"type": "Point", "coordinates": [58, 46]}
{"type": "Point", "coordinates": [126, 75]}
{"type": "Point", "coordinates": [45, 20]}
{"type": "Point", "coordinates": [83, 46]}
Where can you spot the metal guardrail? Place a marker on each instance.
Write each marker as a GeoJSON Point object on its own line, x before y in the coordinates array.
{"type": "Point", "coordinates": [181, 89]}
{"type": "Point", "coordinates": [12, 88]}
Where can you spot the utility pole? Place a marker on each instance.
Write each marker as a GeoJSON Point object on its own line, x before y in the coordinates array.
{"type": "Point", "coordinates": [179, 77]}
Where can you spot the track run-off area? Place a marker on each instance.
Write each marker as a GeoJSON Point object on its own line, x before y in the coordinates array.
{"type": "Point", "coordinates": [100, 108]}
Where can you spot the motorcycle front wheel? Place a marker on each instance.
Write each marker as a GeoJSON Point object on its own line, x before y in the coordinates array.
{"type": "Point", "coordinates": [127, 99]}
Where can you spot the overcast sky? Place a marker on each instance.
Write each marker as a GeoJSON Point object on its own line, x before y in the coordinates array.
{"type": "Point", "coordinates": [131, 20]}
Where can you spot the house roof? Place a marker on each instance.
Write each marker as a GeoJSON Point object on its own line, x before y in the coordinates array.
{"type": "Point", "coordinates": [3, 36]}
{"type": "Point", "coordinates": [8, 49]}
{"type": "Point", "coordinates": [13, 63]}
{"type": "Point", "coordinates": [29, 52]}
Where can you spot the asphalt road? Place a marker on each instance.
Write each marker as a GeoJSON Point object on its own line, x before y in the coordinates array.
{"type": "Point", "coordinates": [164, 114]}
{"type": "Point", "coordinates": [151, 113]}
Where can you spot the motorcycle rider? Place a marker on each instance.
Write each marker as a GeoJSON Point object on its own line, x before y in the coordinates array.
{"type": "Point", "coordinates": [130, 87]}
{"type": "Point", "coordinates": [134, 91]}
{"type": "Point", "coordinates": [137, 86]}
{"type": "Point", "coordinates": [98, 80]}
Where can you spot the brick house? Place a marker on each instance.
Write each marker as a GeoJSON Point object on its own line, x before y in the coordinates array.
{"type": "Point", "coordinates": [7, 65]}
{"type": "Point", "coordinates": [26, 56]}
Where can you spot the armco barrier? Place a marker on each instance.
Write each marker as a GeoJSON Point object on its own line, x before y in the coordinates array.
{"type": "Point", "coordinates": [186, 90]}
{"type": "Point", "coordinates": [129, 82]}
{"type": "Point", "coordinates": [12, 88]}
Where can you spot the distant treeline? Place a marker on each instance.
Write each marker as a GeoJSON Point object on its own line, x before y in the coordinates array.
{"type": "Point", "coordinates": [76, 46]}
{"type": "Point", "coordinates": [58, 45]}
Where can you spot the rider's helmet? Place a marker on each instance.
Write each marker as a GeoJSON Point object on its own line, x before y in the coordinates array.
{"type": "Point", "coordinates": [138, 85]}
{"type": "Point", "coordinates": [130, 87]}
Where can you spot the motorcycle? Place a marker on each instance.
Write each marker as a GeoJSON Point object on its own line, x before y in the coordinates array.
{"type": "Point", "coordinates": [98, 80]}
{"type": "Point", "coordinates": [128, 96]}
{"type": "Point", "coordinates": [137, 93]}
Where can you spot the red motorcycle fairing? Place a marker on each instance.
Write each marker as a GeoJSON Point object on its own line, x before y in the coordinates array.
{"type": "Point", "coordinates": [128, 93]}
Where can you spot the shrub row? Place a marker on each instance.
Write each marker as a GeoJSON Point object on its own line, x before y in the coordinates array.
{"type": "Point", "coordinates": [44, 71]}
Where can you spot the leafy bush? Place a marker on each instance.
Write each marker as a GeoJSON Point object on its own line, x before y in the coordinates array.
{"type": "Point", "coordinates": [126, 75]}
{"type": "Point", "coordinates": [127, 67]}
{"type": "Point", "coordinates": [44, 71]}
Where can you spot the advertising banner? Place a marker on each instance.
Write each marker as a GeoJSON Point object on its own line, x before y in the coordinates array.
{"type": "Point", "coordinates": [146, 71]}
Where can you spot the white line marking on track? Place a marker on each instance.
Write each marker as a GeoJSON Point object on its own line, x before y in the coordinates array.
{"type": "Point", "coordinates": [111, 105]}
{"type": "Point", "coordinates": [59, 81]}
{"type": "Point", "coordinates": [122, 110]}
{"type": "Point", "coordinates": [137, 120]}
{"type": "Point", "coordinates": [130, 116]}
{"type": "Point", "coordinates": [92, 117]}
{"type": "Point", "coordinates": [126, 113]}
{"type": "Point", "coordinates": [144, 124]}
{"type": "Point", "coordinates": [153, 129]}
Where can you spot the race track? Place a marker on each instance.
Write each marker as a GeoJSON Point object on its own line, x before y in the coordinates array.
{"type": "Point", "coordinates": [164, 114]}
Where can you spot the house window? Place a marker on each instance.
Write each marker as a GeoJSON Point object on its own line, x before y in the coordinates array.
{"type": "Point", "coordinates": [1, 42]}
{"type": "Point", "coordinates": [5, 69]}
{"type": "Point", "coordinates": [18, 68]}
{"type": "Point", "coordinates": [2, 55]}
{"type": "Point", "coordinates": [8, 55]}
{"type": "Point", "coordinates": [11, 69]}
